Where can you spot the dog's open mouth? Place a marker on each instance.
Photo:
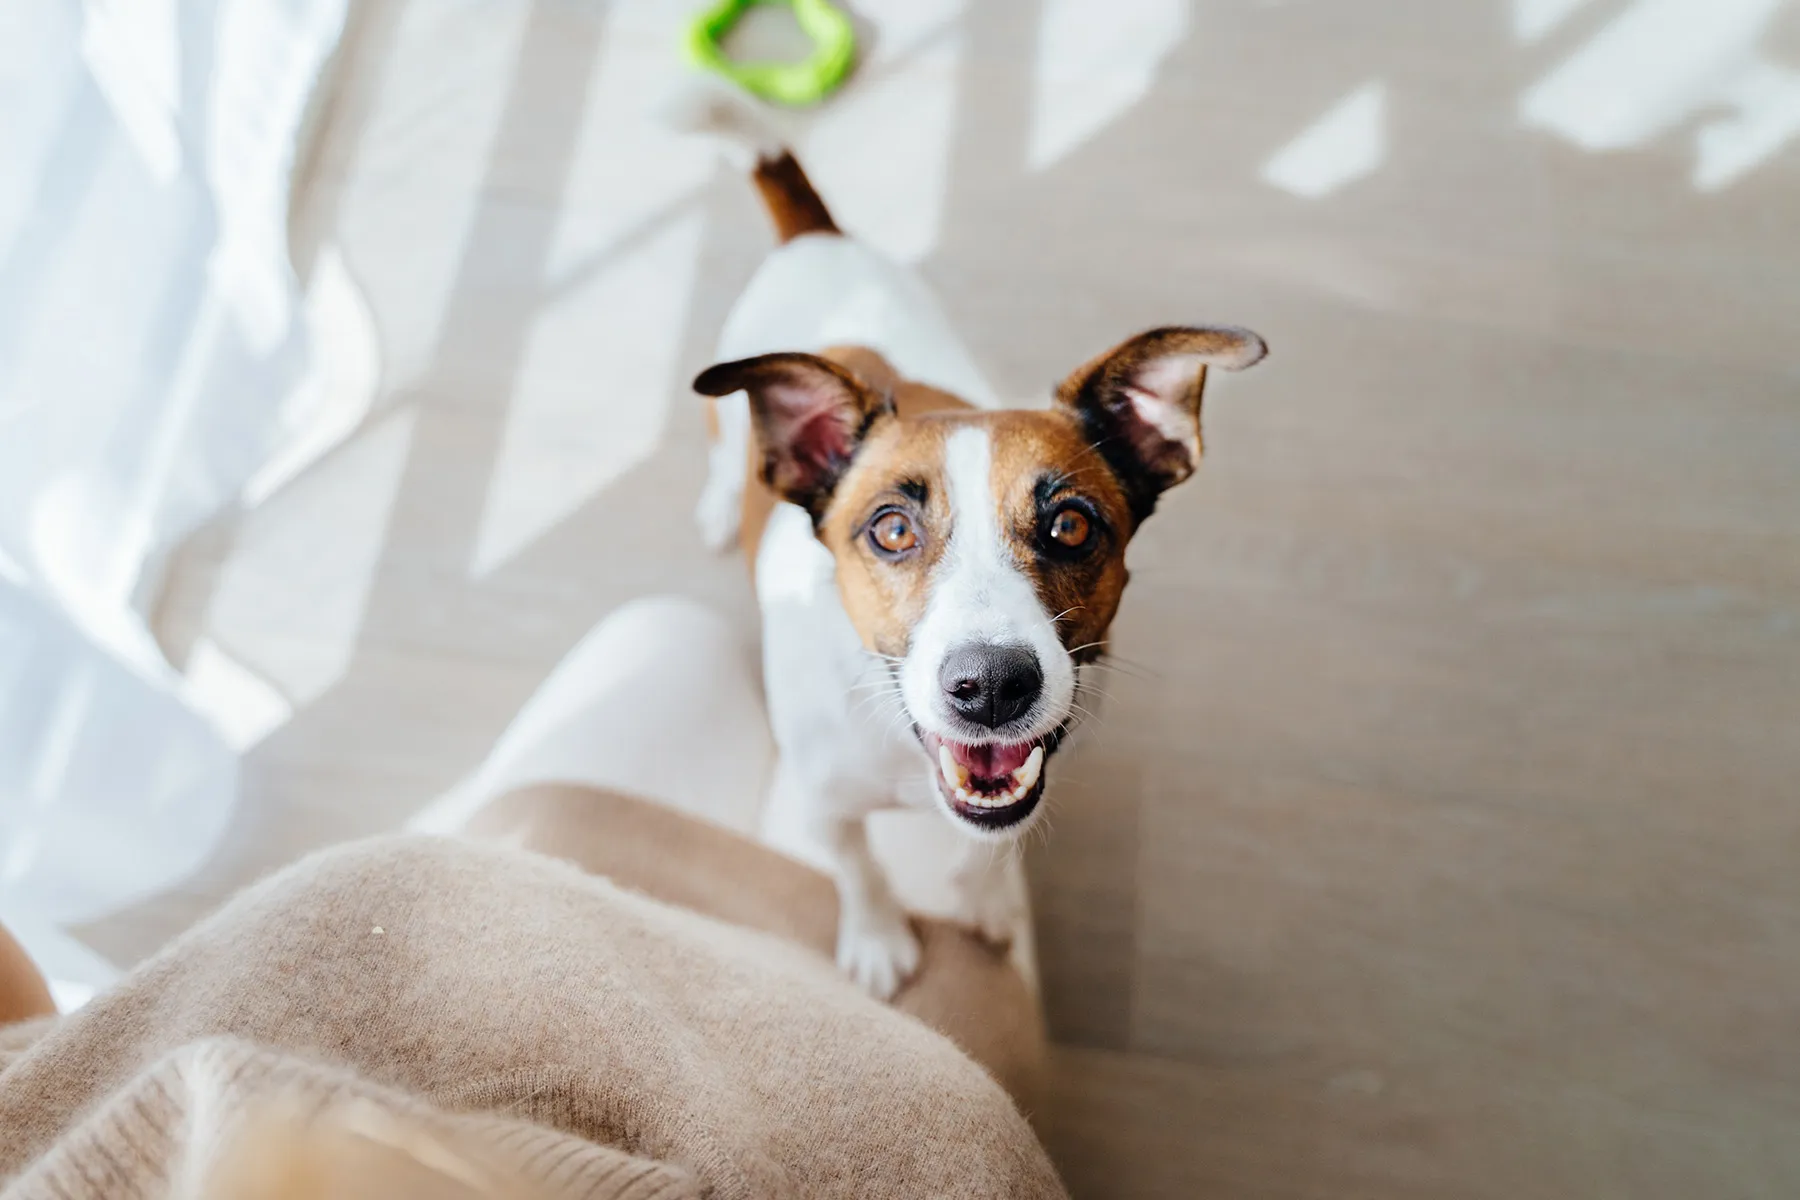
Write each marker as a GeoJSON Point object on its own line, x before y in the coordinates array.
{"type": "Point", "coordinates": [994, 785]}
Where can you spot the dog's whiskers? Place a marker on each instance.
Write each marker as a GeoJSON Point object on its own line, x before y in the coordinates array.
{"type": "Point", "coordinates": [1085, 713]}
{"type": "Point", "coordinates": [1090, 690]}
{"type": "Point", "coordinates": [1128, 669]}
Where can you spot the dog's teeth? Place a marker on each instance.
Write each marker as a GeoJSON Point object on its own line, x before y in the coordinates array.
{"type": "Point", "coordinates": [957, 780]}
{"type": "Point", "coordinates": [981, 799]}
{"type": "Point", "coordinates": [1028, 771]}
{"type": "Point", "coordinates": [955, 774]}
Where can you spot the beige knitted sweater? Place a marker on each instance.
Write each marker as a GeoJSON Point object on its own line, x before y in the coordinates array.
{"type": "Point", "coordinates": [430, 1017]}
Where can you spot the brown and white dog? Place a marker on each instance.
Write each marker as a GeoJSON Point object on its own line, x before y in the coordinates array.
{"type": "Point", "coordinates": [936, 576]}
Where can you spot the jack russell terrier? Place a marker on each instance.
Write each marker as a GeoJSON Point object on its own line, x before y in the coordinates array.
{"type": "Point", "coordinates": [936, 576]}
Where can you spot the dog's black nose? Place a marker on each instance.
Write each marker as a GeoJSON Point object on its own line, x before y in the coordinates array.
{"type": "Point", "coordinates": [991, 685]}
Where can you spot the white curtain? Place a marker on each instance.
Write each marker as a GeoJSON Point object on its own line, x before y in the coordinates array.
{"type": "Point", "coordinates": [152, 354]}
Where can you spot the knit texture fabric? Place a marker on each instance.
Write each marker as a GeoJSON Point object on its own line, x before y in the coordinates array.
{"type": "Point", "coordinates": [549, 1026]}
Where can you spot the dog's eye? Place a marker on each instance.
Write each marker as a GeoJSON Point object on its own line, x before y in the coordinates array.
{"type": "Point", "coordinates": [1070, 528]}
{"type": "Point", "coordinates": [892, 533]}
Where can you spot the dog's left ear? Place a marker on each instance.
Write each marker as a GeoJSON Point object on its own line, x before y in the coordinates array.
{"type": "Point", "coordinates": [1139, 403]}
{"type": "Point", "coordinates": [810, 415]}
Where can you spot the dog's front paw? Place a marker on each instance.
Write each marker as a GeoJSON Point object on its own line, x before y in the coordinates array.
{"type": "Point", "coordinates": [993, 906]}
{"type": "Point", "coordinates": [878, 951]}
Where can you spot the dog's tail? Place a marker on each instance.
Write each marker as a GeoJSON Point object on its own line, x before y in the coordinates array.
{"type": "Point", "coordinates": [794, 207]}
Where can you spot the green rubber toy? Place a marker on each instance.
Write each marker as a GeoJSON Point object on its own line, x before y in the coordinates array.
{"type": "Point", "coordinates": [794, 84]}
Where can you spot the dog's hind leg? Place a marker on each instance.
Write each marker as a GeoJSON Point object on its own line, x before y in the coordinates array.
{"type": "Point", "coordinates": [720, 512]}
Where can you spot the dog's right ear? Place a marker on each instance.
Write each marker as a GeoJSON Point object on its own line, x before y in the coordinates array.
{"type": "Point", "coordinates": [810, 416]}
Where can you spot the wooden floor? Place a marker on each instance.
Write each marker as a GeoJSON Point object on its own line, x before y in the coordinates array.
{"type": "Point", "coordinates": [1442, 837]}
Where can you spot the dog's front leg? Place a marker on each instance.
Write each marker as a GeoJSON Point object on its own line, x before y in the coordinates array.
{"type": "Point", "coordinates": [876, 947]}
{"type": "Point", "coordinates": [989, 891]}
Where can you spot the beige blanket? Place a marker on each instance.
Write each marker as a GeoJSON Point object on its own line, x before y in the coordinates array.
{"type": "Point", "coordinates": [499, 1022]}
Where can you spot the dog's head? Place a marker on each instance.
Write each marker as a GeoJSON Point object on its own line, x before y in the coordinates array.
{"type": "Point", "coordinates": [982, 553]}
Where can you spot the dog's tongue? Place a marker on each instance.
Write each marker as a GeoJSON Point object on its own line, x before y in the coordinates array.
{"type": "Point", "coordinates": [992, 761]}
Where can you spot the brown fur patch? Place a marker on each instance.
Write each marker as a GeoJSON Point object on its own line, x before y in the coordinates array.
{"type": "Point", "coordinates": [901, 465]}
{"type": "Point", "coordinates": [794, 207]}
{"type": "Point", "coordinates": [1040, 461]}
{"type": "Point", "coordinates": [910, 400]}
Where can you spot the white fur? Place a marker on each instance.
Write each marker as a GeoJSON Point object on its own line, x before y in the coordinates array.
{"type": "Point", "coordinates": [846, 744]}
{"type": "Point", "coordinates": [980, 594]}
{"type": "Point", "coordinates": [821, 290]}
{"type": "Point", "coordinates": [843, 745]}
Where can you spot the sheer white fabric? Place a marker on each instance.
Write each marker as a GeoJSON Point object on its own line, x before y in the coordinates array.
{"type": "Point", "coordinates": [151, 349]}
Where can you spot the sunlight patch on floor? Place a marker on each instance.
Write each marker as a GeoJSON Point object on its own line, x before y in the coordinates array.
{"type": "Point", "coordinates": [907, 90]}
{"type": "Point", "coordinates": [414, 185]}
{"type": "Point", "coordinates": [291, 598]}
{"type": "Point", "coordinates": [1659, 64]}
{"type": "Point", "coordinates": [1536, 19]}
{"type": "Point", "coordinates": [1096, 60]}
{"type": "Point", "coordinates": [1346, 143]}
{"type": "Point", "coordinates": [592, 393]}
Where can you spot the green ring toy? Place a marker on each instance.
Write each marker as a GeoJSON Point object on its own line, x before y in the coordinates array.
{"type": "Point", "coordinates": [794, 84]}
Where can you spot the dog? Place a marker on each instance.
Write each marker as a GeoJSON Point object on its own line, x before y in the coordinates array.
{"type": "Point", "coordinates": [936, 573]}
